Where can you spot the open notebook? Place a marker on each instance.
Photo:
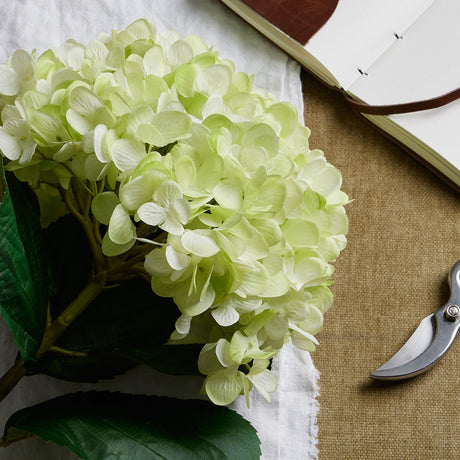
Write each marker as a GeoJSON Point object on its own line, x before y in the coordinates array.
{"type": "Point", "coordinates": [381, 53]}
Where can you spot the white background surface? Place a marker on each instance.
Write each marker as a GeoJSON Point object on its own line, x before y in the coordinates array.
{"type": "Point", "coordinates": [287, 426]}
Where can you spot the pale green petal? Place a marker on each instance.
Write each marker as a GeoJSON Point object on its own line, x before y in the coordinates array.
{"type": "Point", "coordinates": [184, 79]}
{"type": "Point", "coordinates": [23, 63]}
{"type": "Point", "coordinates": [328, 181]}
{"type": "Point", "coordinates": [47, 127]}
{"type": "Point", "coordinates": [93, 168]}
{"type": "Point", "coordinates": [278, 286]}
{"type": "Point", "coordinates": [121, 228]}
{"type": "Point", "coordinates": [109, 248]}
{"type": "Point", "coordinates": [172, 125]}
{"type": "Point", "coordinates": [154, 62]}
{"type": "Point", "coordinates": [286, 115]}
{"type": "Point", "coordinates": [300, 233]}
{"type": "Point", "coordinates": [103, 206]}
{"type": "Point", "coordinates": [277, 327]}
{"type": "Point", "coordinates": [83, 101]}
{"type": "Point", "coordinates": [150, 135]}
{"type": "Point", "coordinates": [78, 122]}
{"type": "Point", "coordinates": [179, 53]}
{"type": "Point", "coordinates": [223, 387]}
{"type": "Point", "coordinates": [253, 280]}
{"type": "Point", "coordinates": [141, 28]}
{"type": "Point", "coordinates": [152, 214]}
{"type": "Point", "coordinates": [136, 192]}
{"type": "Point", "coordinates": [198, 244]}
{"type": "Point", "coordinates": [228, 195]}
{"type": "Point", "coordinates": [262, 135]}
{"type": "Point", "coordinates": [215, 79]}
{"type": "Point", "coordinates": [339, 220]}
{"type": "Point", "coordinates": [96, 50]}
{"type": "Point", "coordinates": [35, 99]}
{"type": "Point", "coordinates": [127, 153]}
{"type": "Point", "coordinates": [10, 84]}
{"type": "Point", "coordinates": [156, 263]}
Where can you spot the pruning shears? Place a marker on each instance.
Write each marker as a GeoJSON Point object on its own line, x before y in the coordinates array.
{"type": "Point", "coordinates": [430, 341]}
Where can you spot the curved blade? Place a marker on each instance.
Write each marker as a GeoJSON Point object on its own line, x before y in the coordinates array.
{"type": "Point", "coordinates": [429, 342]}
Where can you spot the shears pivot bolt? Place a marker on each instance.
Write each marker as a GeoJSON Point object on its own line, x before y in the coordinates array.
{"type": "Point", "coordinates": [453, 312]}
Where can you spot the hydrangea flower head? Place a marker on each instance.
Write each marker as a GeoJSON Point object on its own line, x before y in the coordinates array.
{"type": "Point", "coordinates": [214, 179]}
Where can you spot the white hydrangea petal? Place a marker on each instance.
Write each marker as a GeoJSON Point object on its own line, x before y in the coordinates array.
{"type": "Point", "coordinates": [265, 382]}
{"type": "Point", "coordinates": [223, 387]}
{"type": "Point", "coordinates": [225, 315]}
{"type": "Point", "coordinates": [121, 228]}
{"type": "Point", "coordinates": [167, 193]}
{"type": "Point", "coordinates": [9, 145]}
{"type": "Point", "coordinates": [103, 206]}
{"type": "Point", "coordinates": [183, 324]}
{"type": "Point", "coordinates": [9, 81]}
{"type": "Point", "coordinates": [172, 225]}
{"type": "Point", "coordinates": [223, 353]}
{"type": "Point", "coordinates": [176, 259]}
{"type": "Point", "coordinates": [152, 214]}
{"type": "Point", "coordinates": [307, 335]}
{"type": "Point", "coordinates": [99, 133]}
{"type": "Point", "coordinates": [198, 244]}
{"type": "Point", "coordinates": [182, 209]}
{"type": "Point", "coordinates": [127, 153]}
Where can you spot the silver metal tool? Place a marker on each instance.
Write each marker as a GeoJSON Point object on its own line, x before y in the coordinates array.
{"type": "Point", "coordinates": [430, 341]}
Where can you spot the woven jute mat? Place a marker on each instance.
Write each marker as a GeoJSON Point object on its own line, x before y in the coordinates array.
{"type": "Point", "coordinates": [404, 237]}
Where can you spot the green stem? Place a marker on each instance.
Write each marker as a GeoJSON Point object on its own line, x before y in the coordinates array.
{"type": "Point", "coordinates": [11, 378]}
{"type": "Point", "coordinates": [63, 321]}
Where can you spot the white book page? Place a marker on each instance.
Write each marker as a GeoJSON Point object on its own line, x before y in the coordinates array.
{"type": "Point", "coordinates": [425, 63]}
{"type": "Point", "coordinates": [359, 31]}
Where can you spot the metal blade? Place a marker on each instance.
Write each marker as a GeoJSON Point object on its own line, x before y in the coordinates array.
{"type": "Point", "coordinates": [424, 348]}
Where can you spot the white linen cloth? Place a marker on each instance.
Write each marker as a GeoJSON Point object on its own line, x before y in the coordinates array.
{"type": "Point", "coordinates": [287, 425]}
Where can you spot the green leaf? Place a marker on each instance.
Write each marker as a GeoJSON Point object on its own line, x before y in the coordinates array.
{"type": "Point", "coordinates": [24, 275]}
{"type": "Point", "coordinates": [70, 260]}
{"type": "Point", "coordinates": [169, 359]}
{"type": "Point", "coordinates": [102, 425]}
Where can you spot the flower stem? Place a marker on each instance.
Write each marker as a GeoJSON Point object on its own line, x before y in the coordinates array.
{"type": "Point", "coordinates": [63, 321]}
{"type": "Point", "coordinates": [11, 378]}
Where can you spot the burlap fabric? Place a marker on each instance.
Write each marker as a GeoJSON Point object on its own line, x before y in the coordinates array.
{"type": "Point", "coordinates": [404, 237]}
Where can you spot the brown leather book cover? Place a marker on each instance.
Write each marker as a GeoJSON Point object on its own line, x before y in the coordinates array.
{"type": "Point", "coordinates": [300, 19]}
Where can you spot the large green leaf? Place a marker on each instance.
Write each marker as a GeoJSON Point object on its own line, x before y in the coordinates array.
{"type": "Point", "coordinates": [24, 273]}
{"type": "Point", "coordinates": [102, 426]}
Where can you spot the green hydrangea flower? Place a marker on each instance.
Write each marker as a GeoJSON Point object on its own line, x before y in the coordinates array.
{"type": "Point", "coordinates": [181, 155]}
